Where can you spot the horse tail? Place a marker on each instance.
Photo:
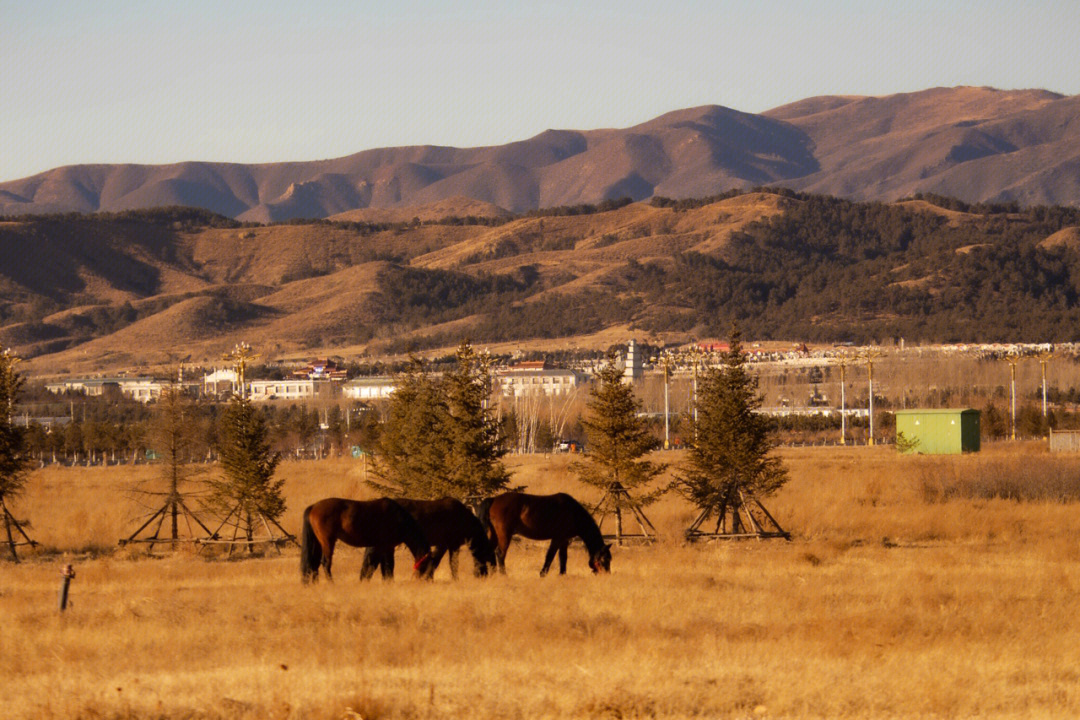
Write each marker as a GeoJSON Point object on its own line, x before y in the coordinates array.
{"type": "Point", "coordinates": [310, 550]}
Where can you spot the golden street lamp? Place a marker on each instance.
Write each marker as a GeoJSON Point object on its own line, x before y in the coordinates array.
{"type": "Point", "coordinates": [869, 356]}
{"type": "Point", "coordinates": [1044, 358]}
{"type": "Point", "coordinates": [1012, 358]}
{"type": "Point", "coordinates": [667, 361]}
{"type": "Point", "coordinates": [842, 363]}
{"type": "Point", "coordinates": [240, 357]}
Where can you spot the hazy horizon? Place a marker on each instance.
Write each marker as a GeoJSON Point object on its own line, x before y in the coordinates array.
{"type": "Point", "coordinates": [259, 82]}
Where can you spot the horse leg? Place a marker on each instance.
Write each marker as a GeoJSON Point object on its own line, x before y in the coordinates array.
{"type": "Point", "coordinates": [388, 564]}
{"type": "Point", "coordinates": [452, 561]}
{"type": "Point", "coordinates": [501, 546]}
{"type": "Point", "coordinates": [328, 557]}
{"type": "Point", "coordinates": [562, 558]}
{"type": "Point", "coordinates": [548, 558]}
{"type": "Point", "coordinates": [372, 562]}
{"type": "Point", "coordinates": [436, 558]}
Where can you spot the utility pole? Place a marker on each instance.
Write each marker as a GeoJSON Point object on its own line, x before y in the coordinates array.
{"type": "Point", "coordinates": [666, 361]}
{"type": "Point", "coordinates": [869, 355]}
{"type": "Point", "coordinates": [1013, 358]}
{"type": "Point", "coordinates": [1044, 359]}
{"type": "Point", "coordinates": [842, 363]}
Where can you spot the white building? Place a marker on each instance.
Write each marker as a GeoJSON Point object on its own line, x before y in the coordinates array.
{"type": "Point", "coordinates": [532, 378]}
{"type": "Point", "coordinates": [143, 389]}
{"type": "Point", "coordinates": [290, 389]}
{"type": "Point", "coordinates": [633, 365]}
{"type": "Point", "coordinates": [369, 388]}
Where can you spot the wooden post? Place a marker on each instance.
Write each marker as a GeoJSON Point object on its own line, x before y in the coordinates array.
{"type": "Point", "coordinates": [66, 576]}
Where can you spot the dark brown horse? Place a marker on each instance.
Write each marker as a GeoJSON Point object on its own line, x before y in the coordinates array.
{"type": "Point", "coordinates": [558, 518]}
{"type": "Point", "coordinates": [448, 524]}
{"type": "Point", "coordinates": [378, 523]}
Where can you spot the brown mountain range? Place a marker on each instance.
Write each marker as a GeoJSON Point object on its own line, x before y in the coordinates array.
{"type": "Point", "coordinates": [976, 144]}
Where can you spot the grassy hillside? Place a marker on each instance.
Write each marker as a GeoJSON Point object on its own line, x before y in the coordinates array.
{"type": "Point", "coordinates": [117, 291]}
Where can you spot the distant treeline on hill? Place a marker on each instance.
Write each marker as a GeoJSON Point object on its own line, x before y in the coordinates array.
{"type": "Point", "coordinates": [825, 270]}
{"type": "Point", "coordinates": [181, 217]}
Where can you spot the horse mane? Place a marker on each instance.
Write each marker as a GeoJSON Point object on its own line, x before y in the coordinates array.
{"type": "Point", "coordinates": [586, 526]}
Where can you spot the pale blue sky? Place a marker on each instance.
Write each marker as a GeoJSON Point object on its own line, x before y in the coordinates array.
{"type": "Point", "coordinates": [157, 82]}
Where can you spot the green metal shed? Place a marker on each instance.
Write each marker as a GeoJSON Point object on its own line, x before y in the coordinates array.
{"type": "Point", "coordinates": [940, 432]}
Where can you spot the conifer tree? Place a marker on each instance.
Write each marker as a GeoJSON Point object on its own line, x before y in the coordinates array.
{"type": "Point", "coordinates": [616, 442]}
{"type": "Point", "coordinates": [14, 460]}
{"type": "Point", "coordinates": [174, 436]}
{"type": "Point", "coordinates": [439, 438]}
{"type": "Point", "coordinates": [248, 487]}
{"type": "Point", "coordinates": [411, 451]}
{"type": "Point", "coordinates": [732, 444]}
{"type": "Point", "coordinates": [476, 446]}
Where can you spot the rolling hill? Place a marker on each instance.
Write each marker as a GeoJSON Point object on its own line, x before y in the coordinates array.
{"type": "Point", "coordinates": [976, 144]}
{"type": "Point", "coordinates": [144, 289]}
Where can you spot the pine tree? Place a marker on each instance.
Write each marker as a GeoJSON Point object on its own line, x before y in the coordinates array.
{"type": "Point", "coordinates": [248, 488]}
{"type": "Point", "coordinates": [476, 445]}
{"type": "Point", "coordinates": [439, 438]}
{"type": "Point", "coordinates": [174, 435]}
{"type": "Point", "coordinates": [14, 460]}
{"type": "Point", "coordinates": [730, 455]}
{"type": "Point", "coordinates": [616, 442]}
{"type": "Point", "coordinates": [411, 451]}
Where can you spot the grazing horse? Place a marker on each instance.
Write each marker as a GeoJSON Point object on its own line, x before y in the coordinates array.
{"type": "Point", "coordinates": [558, 518]}
{"type": "Point", "coordinates": [378, 523]}
{"type": "Point", "coordinates": [448, 524]}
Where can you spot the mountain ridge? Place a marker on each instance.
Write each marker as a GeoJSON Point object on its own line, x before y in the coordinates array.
{"type": "Point", "coordinates": [976, 144]}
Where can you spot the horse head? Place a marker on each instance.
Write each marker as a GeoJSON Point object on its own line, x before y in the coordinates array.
{"type": "Point", "coordinates": [600, 561]}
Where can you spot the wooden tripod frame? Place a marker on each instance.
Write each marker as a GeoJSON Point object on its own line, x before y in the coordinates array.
{"type": "Point", "coordinates": [173, 508]}
{"type": "Point", "coordinates": [617, 497]}
{"type": "Point", "coordinates": [739, 516]}
{"type": "Point", "coordinates": [9, 523]}
{"type": "Point", "coordinates": [234, 519]}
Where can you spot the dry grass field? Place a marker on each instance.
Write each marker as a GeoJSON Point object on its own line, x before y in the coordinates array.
{"type": "Point", "coordinates": [888, 603]}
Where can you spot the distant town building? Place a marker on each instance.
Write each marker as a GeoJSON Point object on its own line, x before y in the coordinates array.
{"type": "Point", "coordinates": [369, 388]}
{"type": "Point", "coordinates": [143, 389]}
{"type": "Point", "coordinates": [633, 366]}
{"type": "Point", "coordinates": [321, 369]}
{"type": "Point", "coordinates": [537, 377]}
{"type": "Point", "coordinates": [292, 389]}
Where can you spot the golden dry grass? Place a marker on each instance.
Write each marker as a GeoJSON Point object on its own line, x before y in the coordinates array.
{"type": "Point", "coordinates": [884, 605]}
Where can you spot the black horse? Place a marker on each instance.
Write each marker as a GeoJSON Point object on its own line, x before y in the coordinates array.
{"type": "Point", "coordinates": [381, 523]}
{"type": "Point", "coordinates": [448, 524]}
{"type": "Point", "coordinates": [558, 518]}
